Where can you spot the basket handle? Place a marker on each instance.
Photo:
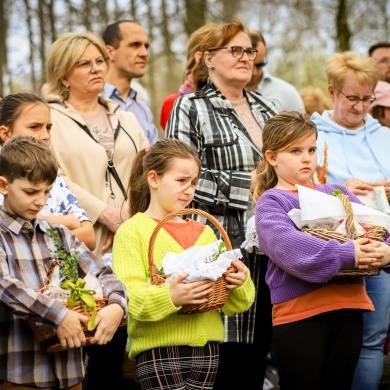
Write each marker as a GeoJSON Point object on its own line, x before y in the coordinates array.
{"type": "Point", "coordinates": [225, 237]}
{"type": "Point", "coordinates": [349, 221]}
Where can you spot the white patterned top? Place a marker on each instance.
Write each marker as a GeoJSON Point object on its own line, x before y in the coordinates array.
{"type": "Point", "coordinates": [61, 202]}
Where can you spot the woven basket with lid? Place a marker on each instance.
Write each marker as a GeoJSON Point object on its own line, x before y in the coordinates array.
{"type": "Point", "coordinates": [218, 296]}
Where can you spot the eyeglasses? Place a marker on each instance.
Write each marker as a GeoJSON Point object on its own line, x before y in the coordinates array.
{"type": "Point", "coordinates": [261, 65]}
{"type": "Point", "coordinates": [366, 101]}
{"type": "Point", "coordinates": [87, 65]}
{"type": "Point", "coordinates": [238, 51]}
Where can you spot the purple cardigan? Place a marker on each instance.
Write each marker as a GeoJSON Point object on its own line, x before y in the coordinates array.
{"type": "Point", "coordinates": [299, 263]}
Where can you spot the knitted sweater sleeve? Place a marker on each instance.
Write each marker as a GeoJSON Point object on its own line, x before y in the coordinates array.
{"type": "Point", "coordinates": [299, 254]}
{"type": "Point", "coordinates": [240, 299]}
{"type": "Point", "coordinates": [130, 263]}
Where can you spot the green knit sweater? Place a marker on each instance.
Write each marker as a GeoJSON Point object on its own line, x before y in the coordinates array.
{"type": "Point", "coordinates": [153, 318]}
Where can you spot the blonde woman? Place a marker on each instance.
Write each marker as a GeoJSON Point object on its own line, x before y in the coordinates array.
{"type": "Point", "coordinates": [359, 159]}
{"type": "Point", "coordinates": [95, 143]}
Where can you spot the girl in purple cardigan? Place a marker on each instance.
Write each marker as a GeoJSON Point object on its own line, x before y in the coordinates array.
{"type": "Point", "coordinates": [317, 317]}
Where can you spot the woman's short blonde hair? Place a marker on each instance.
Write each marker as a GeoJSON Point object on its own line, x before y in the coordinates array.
{"type": "Point", "coordinates": [63, 55]}
{"type": "Point", "coordinates": [341, 65]}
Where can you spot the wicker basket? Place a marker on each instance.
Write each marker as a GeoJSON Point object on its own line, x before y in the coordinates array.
{"type": "Point", "coordinates": [46, 333]}
{"type": "Point", "coordinates": [377, 233]}
{"type": "Point", "coordinates": [219, 294]}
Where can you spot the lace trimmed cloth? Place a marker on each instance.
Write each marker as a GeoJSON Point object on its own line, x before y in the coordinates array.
{"type": "Point", "coordinates": [251, 242]}
{"type": "Point", "coordinates": [200, 262]}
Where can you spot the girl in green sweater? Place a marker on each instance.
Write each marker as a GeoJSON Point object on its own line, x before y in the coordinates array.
{"type": "Point", "coordinates": [171, 350]}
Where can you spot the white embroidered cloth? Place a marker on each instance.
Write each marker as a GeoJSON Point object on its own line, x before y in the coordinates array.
{"type": "Point", "coordinates": [197, 261]}
{"type": "Point", "coordinates": [319, 210]}
{"type": "Point", "coordinates": [251, 241]}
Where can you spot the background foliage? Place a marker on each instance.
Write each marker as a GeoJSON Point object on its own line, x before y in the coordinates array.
{"type": "Point", "coordinates": [300, 34]}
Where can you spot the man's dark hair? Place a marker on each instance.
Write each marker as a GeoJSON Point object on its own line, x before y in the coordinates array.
{"type": "Point", "coordinates": [256, 36]}
{"type": "Point", "coordinates": [377, 46]}
{"type": "Point", "coordinates": [112, 34]}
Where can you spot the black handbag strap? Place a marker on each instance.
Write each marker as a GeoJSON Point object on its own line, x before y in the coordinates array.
{"type": "Point", "coordinates": [111, 166]}
{"type": "Point", "coordinates": [115, 175]}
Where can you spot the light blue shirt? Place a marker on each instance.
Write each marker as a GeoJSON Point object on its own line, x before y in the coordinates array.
{"type": "Point", "coordinates": [139, 109]}
{"type": "Point", "coordinates": [284, 95]}
{"type": "Point", "coordinates": [362, 153]}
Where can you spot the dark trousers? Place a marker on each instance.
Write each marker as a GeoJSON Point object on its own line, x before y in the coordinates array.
{"type": "Point", "coordinates": [320, 352]}
{"type": "Point", "coordinates": [243, 366]}
{"type": "Point", "coordinates": [105, 364]}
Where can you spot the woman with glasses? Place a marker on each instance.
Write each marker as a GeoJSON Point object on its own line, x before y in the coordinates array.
{"type": "Point", "coordinates": [223, 122]}
{"type": "Point", "coordinates": [359, 159]}
{"type": "Point", "coordinates": [193, 54]}
{"type": "Point", "coordinates": [95, 143]}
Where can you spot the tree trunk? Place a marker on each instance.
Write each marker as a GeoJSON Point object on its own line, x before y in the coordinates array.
{"type": "Point", "coordinates": [3, 44]}
{"type": "Point", "coordinates": [52, 21]}
{"type": "Point", "coordinates": [42, 40]}
{"type": "Point", "coordinates": [151, 62]}
{"type": "Point", "coordinates": [32, 45]}
{"type": "Point", "coordinates": [195, 15]}
{"type": "Point", "coordinates": [342, 28]}
{"type": "Point", "coordinates": [102, 12]}
{"type": "Point", "coordinates": [86, 15]}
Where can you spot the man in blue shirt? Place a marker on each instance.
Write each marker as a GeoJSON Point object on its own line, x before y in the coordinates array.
{"type": "Point", "coordinates": [127, 44]}
{"type": "Point", "coordinates": [283, 94]}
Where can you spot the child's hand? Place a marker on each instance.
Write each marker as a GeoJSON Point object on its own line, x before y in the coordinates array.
{"type": "Point", "coordinates": [370, 253]}
{"type": "Point", "coordinates": [237, 279]}
{"type": "Point", "coordinates": [193, 293]}
{"type": "Point", "coordinates": [70, 332]}
{"type": "Point", "coordinates": [106, 323]}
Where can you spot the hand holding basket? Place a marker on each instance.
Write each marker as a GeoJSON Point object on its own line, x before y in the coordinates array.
{"type": "Point", "coordinates": [218, 296]}
{"type": "Point", "coordinates": [46, 333]}
{"type": "Point", "coordinates": [377, 233]}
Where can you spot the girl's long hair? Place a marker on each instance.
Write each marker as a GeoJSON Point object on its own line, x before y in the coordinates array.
{"type": "Point", "coordinates": [158, 158]}
{"type": "Point", "coordinates": [279, 132]}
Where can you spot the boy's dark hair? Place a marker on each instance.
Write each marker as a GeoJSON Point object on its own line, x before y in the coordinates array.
{"type": "Point", "coordinates": [112, 34]}
{"type": "Point", "coordinates": [377, 46]}
{"type": "Point", "coordinates": [28, 158]}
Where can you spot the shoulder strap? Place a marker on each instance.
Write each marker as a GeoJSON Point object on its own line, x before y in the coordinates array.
{"type": "Point", "coordinates": [111, 166]}
{"type": "Point", "coordinates": [114, 173]}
